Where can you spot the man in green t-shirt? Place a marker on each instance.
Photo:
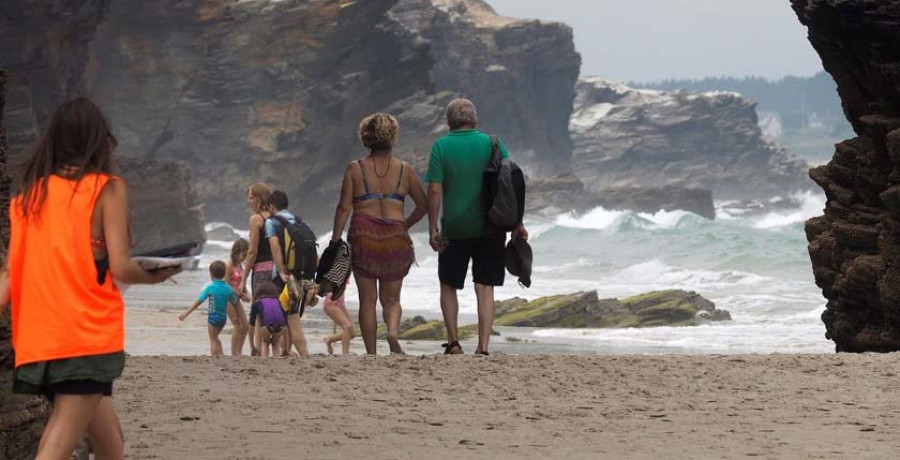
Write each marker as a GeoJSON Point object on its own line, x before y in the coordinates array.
{"type": "Point", "coordinates": [455, 181]}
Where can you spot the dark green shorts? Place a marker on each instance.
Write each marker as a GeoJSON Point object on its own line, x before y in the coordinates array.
{"type": "Point", "coordinates": [81, 375]}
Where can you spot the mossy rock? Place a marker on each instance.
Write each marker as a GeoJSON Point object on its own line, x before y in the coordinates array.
{"type": "Point", "coordinates": [417, 328]}
{"type": "Point", "coordinates": [578, 310]}
{"type": "Point", "coordinates": [585, 310]}
{"type": "Point", "coordinates": [668, 308]}
{"type": "Point", "coordinates": [503, 306]}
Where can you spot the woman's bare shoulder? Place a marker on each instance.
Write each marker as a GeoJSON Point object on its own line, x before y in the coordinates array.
{"type": "Point", "coordinates": [256, 219]}
{"type": "Point", "coordinates": [115, 188]}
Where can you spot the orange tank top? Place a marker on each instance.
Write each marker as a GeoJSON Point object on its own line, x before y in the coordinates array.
{"type": "Point", "coordinates": [58, 308]}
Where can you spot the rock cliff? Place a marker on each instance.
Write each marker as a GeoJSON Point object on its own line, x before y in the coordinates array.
{"type": "Point", "coordinates": [273, 90]}
{"type": "Point", "coordinates": [21, 417]}
{"type": "Point", "coordinates": [633, 137]}
{"type": "Point", "coordinates": [855, 246]}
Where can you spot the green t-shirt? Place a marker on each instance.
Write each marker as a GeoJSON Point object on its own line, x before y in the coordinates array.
{"type": "Point", "coordinates": [457, 162]}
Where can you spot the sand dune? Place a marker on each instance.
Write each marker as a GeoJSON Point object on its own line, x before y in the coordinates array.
{"type": "Point", "coordinates": [436, 407]}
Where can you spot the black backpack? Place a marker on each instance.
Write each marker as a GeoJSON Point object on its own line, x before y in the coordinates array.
{"type": "Point", "coordinates": [504, 190]}
{"type": "Point", "coordinates": [298, 247]}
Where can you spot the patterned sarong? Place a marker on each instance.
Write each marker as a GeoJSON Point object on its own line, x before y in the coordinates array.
{"type": "Point", "coordinates": [380, 248]}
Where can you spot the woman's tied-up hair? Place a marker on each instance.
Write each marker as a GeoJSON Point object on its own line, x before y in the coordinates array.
{"type": "Point", "coordinates": [378, 131]}
{"type": "Point", "coordinates": [77, 141]}
{"type": "Point", "coordinates": [461, 112]}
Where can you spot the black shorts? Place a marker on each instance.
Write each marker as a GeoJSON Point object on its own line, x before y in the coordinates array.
{"type": "Point", "coordinates": [488, 255]}
{"type": "Point", "coordinates": [78, 387]}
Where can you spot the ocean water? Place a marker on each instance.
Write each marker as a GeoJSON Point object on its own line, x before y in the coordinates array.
{"type": "Point", "coordinates": [755, 267]}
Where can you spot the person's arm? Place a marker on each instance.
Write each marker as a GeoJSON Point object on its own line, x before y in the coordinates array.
{"type": "Point", "coordinates": [418, 195]}
{"type": "Point", "coordinates": [4, 285]}
{"type": "Point", "coordinates": [256, 221]}
{"type": "Point", "coordinates": [344, 206]}
{"type": "Point", "coordinates": [435, 192]}
{"type": "Point", "coordinates": [278, 258]}
{"type": "Point", "coordinates": [114, 204]}
{"type": "Point", "coordinates": [435, 178]}
{"type": "Point", "coordinates": [184, 315]}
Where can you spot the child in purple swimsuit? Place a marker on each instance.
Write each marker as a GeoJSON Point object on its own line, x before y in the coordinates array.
{"type": "Point", "coordinates": [269, 335]}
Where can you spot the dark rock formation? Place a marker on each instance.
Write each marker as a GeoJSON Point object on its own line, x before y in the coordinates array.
{"type": "Point", "coordinates": [164, 212]}
{"type": "Point", "coordinates": [585, 310]}
{"type": "Point", "coordinates": [264, 90]}
{"type": "Point", "coordinates": [566, 193]}
{"type": "Point", "coordinates": [21, 417]}
{"type": "Point", "coordinates": [855, 246]}
{"type": "Point", "coordinates": [632, 137]}
{"type": "Point", "coordinates": [4, 175]}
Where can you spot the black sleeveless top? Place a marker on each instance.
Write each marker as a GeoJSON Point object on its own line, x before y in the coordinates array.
{"type": "Point", "coordinates": [263, 250]}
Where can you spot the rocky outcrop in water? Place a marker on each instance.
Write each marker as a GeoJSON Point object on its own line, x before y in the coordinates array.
{"type": "Point", "coordinates": [273, 90]}
{"type": "Point", "coordinates": [633, 137]}
{"type": "Point", "coordinates": [581, 310]}
{"type": "Point", "coordinates": [566, 193]}
{"type": "Point", "coordinates": [586, 310]}
{"type": "Point", "coordinates": [855, 245]}
{"type": "Point", "coordinates": [418, 328]}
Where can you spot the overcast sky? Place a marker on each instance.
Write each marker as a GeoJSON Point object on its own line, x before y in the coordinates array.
{"type": "Point", "coordinates": [648, 40]}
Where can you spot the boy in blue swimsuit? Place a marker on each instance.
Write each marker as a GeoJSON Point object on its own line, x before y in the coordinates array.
{"type": "Point", "coordinates": [219, 294]}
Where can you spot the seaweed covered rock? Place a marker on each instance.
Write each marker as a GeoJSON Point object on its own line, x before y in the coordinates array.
{"type": "Point", "coordinates": [586, 310]}
{"type": "Point", "coordinates": [418, 328]}
{"type": "Point", "coordinates": [855, 246]}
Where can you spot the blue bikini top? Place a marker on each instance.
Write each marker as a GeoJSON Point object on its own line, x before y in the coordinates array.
{"type": "Point", "coordinates": [377, 196]}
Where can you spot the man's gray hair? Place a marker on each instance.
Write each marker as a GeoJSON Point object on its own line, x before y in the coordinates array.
{"type": "Point", "coordinates": [461, 112]}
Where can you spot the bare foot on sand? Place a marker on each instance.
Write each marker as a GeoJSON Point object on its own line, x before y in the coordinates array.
{"type": "Point", "coordinates": [328, 344]}
{"type": "Point", "coordinates": [394, 344]}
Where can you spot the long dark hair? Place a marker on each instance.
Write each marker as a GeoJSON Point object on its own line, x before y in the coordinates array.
{"type": "Point", "coordinates": [79, 138]}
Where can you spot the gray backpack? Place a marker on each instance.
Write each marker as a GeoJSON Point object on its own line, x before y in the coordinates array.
{"type": "Point", "coordinates": [504, 190]}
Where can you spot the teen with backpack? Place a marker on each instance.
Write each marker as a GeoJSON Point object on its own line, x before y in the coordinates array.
{"type": "Point", "coordinates": [67, 313]}
{"type": "Point", "coordinates": [294, 251]}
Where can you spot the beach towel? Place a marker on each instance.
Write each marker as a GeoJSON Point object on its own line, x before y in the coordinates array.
{"type": "Point", "coordinates": [381, 248]}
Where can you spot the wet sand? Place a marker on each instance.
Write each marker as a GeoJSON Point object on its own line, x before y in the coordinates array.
{"type": "Point", "coordinates": [436, 407]}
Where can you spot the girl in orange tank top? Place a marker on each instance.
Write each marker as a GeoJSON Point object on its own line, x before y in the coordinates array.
{"type": "Point", "coordinates": [68, 231]}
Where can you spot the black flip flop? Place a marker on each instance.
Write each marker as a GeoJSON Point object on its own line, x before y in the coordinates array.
{"type": "Point", "coordinates": [451, 346]}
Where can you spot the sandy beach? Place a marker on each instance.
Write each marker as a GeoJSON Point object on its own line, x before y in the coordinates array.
{"type": "Point", "coordinates": [739, 406]}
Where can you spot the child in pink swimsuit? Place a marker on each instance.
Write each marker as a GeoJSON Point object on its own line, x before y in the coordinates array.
{"type": "Point", "coordinates": [338, 313]}
{"type": "Point", "coordinates": [233, 272]}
